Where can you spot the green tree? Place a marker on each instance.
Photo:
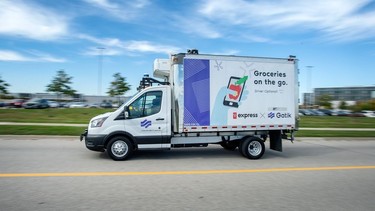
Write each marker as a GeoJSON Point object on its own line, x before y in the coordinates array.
{"type": "Point", "coordinates": [363, 105]}
{"type": "Point", "coordinates": [325, 101]}
{"type": "Point", "coordinates": [343, 105]}
{"type": "Point", "coordinates": [372, 104]}
{"type": "Point", "coordinates": [3, 87]}
{"type": "Point", "coordinates": [357, 107]}
{"type": "Point", "coordinates": [366, 105]}
{"type": "Point", "coordinates": [60, 84]}
{"type": "Point", "coordinates": [119, 86]}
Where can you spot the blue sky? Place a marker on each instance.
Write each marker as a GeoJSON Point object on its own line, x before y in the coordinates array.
{"type": "Point", "coordinates": [40, 37]}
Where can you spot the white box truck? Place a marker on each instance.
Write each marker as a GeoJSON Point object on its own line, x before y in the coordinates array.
{"type": "Point", "coordinates": [234, 101]}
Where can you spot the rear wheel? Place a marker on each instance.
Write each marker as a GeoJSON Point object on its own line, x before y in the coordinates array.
{"type": "Point", "coordinates": [252, 148]}
{"type": "Point", "coordinates": [119, 148]}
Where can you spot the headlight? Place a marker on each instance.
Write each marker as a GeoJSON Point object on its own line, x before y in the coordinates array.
{"type": "Point", "coordinates": [98, 122]}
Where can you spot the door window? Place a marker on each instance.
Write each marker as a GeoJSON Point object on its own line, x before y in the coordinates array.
{"type": "Point", "coordinates": [146, 105]}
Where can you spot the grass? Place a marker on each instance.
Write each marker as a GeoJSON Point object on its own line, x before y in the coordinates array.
{"type": "Point", "coordinates": [51, 115]}
{"type": "Point", "coordinates": [83, 115]}
{"type": "Point", "coordinates": [41, 130]}
{"type": "Point", "coordinates": [337, 122]}
{"type": "Point", "coordinates": [330, 133]}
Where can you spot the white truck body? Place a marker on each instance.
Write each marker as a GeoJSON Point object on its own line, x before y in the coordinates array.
{"type": "Point", "coordinates": [231, 100]}
{"type": "Point", "coordinates": [267, 98]}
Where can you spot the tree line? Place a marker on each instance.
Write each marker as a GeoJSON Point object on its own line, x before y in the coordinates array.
{"type": "Point", "coordinates": [60, 84]}
{"type": "Point", "coordinates": [325, 101]}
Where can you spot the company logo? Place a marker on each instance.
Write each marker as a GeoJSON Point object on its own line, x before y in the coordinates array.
{"type": "Point", "coordinates": [145, 123]}
{"type": "Point", "coordinates": [284, 115]}
{"type": "Point", "coordinates": [244, 116]}
{"type": "Point", "coordinates": [279, 115]}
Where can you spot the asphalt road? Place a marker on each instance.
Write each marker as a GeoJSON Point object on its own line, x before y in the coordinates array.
{"type": "Point", "coordinates": [59, 173]}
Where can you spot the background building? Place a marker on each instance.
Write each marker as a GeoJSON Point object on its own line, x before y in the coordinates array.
{"type": "Point", "coordinates": [308, 99]}
{"type": "Point", "coordinates": [359, 93]}
{"type": "Point", "coordinates": [350, 95]}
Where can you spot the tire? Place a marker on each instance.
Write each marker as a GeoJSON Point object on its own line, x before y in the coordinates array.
{"type": "Point", "coordinates": [120, 148]}
{"type": "Point", "coordinates": [252, 148]}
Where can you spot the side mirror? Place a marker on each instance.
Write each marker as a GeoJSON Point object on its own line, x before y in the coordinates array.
{"type": "Point", "coordinates": [126, 112]}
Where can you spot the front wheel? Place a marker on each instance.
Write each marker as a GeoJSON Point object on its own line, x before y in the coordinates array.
{"type": "Point", "coordinates": [119, 148]}
{"type": "Point", "coordinates": [252, 148]}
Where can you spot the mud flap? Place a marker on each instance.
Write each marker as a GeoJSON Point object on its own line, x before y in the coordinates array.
{"type": "Point", "coordinates": [276, 140]}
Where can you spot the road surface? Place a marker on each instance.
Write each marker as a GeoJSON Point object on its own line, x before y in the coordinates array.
{"type": "Point", "coordinates": [59, 173]}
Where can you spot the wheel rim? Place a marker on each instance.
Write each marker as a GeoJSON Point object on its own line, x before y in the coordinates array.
{"type": "Point", "coordinates": [255, 148]}
{"type": "Point", "coordinates": [119, 148]}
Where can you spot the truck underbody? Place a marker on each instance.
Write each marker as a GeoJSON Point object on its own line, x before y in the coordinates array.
{"type": "Point", "coordinates": [250, 145]}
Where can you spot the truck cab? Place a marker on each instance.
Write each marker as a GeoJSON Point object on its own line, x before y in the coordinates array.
{"type": "Point", "coordinates": [141, 123]}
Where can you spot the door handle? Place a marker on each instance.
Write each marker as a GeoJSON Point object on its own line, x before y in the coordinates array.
{"type": "Point", "coordinates": [159, 119]}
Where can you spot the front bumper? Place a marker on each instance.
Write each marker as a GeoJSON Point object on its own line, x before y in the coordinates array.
{"type": "Point", "coordinates": [83, 135]}
{"type": "Point", "coordinates": [93, 142]}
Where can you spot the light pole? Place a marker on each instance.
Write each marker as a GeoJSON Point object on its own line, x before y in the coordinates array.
{"type": "Point", "coordinates": [100, 64]}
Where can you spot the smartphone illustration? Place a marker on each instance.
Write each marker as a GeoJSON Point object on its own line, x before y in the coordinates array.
{"type": "Point", "coordinates": [235, 88]}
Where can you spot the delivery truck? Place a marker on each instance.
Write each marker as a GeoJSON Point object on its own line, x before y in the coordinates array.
{"type": "Point", "coordinates": [200, 99]}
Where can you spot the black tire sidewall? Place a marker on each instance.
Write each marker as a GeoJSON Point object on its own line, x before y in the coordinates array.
{"type": "Point", "coordinates": [245, 145]}
{"type": "Point", "coordinates": [126, 141]}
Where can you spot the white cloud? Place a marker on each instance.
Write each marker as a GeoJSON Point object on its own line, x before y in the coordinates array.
{"type": "Point", "coordinates": [12, 56]}
{"type": "Point", "coordinates": [38, 56]}
{"type": "Point", "coordinates": [122, 10]}
{"type": "Point", "coordinates": [145, 12]}
{"type": "Point", "coordinates": [339, 20]}
{"type": "Point", "coordinates": [6, 55]}
{"type": "Point", "coordinates": [18, 18]}
{"type": "Point", "coordinates": [196, 26]}
{"type": "Point", "coordinates": [140, 3]}
{"type": "Point", "coordinates": [354, 28]}
{"type": "Point", "coordinates": [114, 42]}
{"type": "Point", "coordinates": [150, 47]}
{"type": "Point", "coordinates": [225, 52]}
{"type": "Point", "coordinates": [253, 38]}
{"type": "Point", "coordinates": [114, 46]}
{"type": "Point", "coordinates": [95, 51]}
{"type": "Point", "coordinates": [105, 4]}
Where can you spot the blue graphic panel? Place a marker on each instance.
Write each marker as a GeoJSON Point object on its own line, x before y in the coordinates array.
{"type": "Point", "coordinates": [197, 92]}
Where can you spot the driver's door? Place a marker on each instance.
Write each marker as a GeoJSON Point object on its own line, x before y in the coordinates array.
{"type": "Point", "coordinates": [147, 118]}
